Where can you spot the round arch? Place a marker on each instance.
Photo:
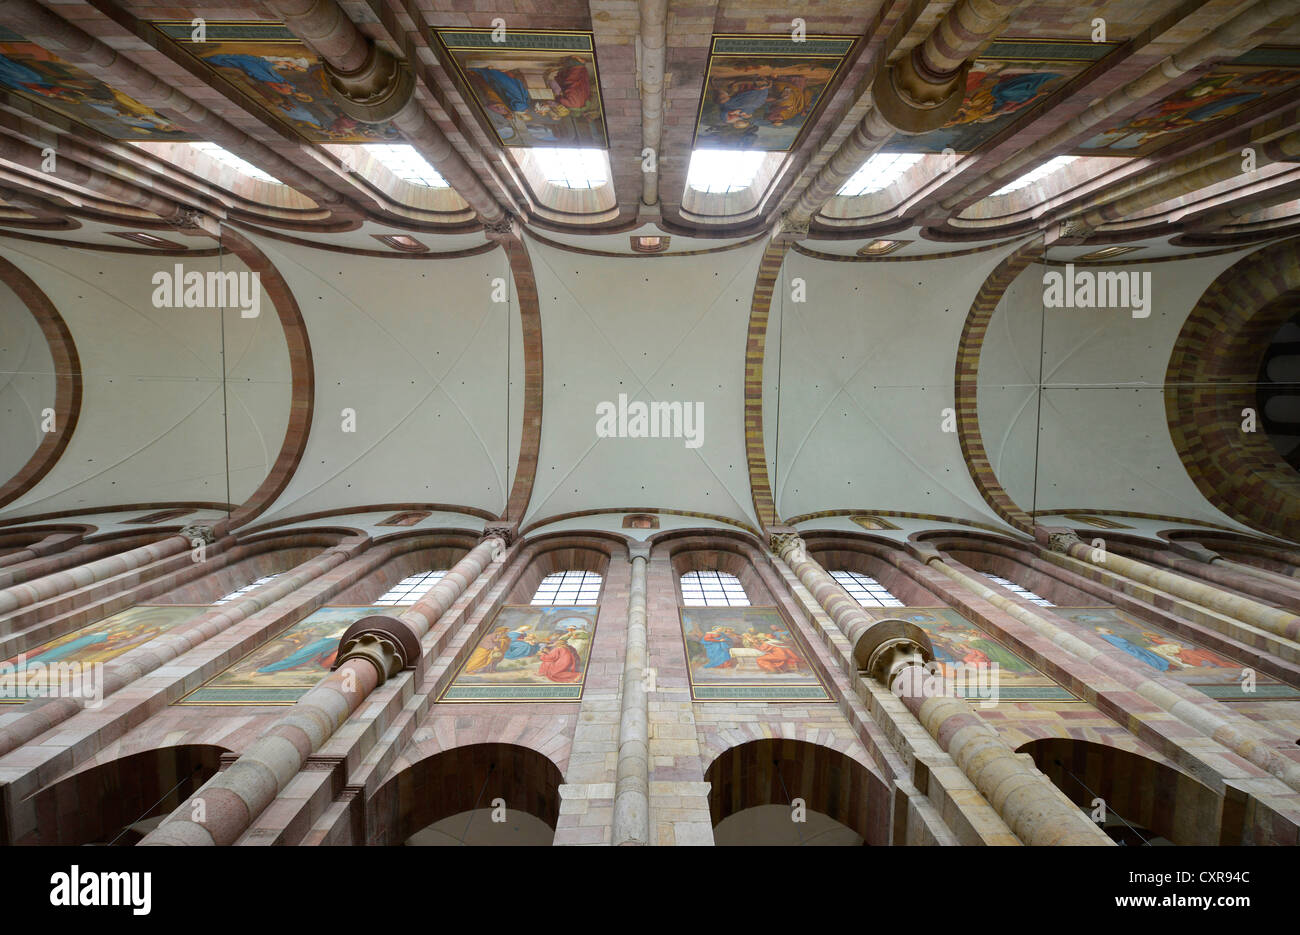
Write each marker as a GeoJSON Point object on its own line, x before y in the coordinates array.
{"type": "Point", "coordinates": [776, 771]}
{"type": "Point", "coordinates": [1145, 801]}
{"type": "Point", "coordinates": [100, 804]}
{"type": "Point", "coordinates": [464, 779]}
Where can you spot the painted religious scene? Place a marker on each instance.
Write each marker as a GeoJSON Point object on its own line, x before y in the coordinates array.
{"type": "Point", "coordinates": [533, 88]}
{"type": "Point", "coordinates": [528, 654]}
{"type": "Point", "coordinates": [97, 643]}
{"type": "Point", "coordinates": [1176, 657]}
{"type": "Point", "coordinates": [746, 654]}
{"type": "Point", "coordinates": [1011, 78]}
{"type": "Point", "coordinates": [761, 91]}
{"type": "Point", "coordinates": [31, 72]}
{"type": "Point", "coordinates": [274, 69]}
{"type": "Point", "coordinates": [286, 668]}
{"type": "Point", "coordinates": [958, 642]}
{"type": "Point", "coordinates": [1216, 95]}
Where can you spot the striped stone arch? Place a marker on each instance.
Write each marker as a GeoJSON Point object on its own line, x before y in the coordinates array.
{"type": "Point", "coordinates": [966, 384]}
{"type": "Point", "coordinates": [1210, 381]}
{"type": "Point", "coordinates": [67, 386]}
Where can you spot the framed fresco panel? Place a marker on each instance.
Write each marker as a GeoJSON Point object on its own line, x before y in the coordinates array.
{"type": "Point", "coordinates": [746, 654]}
{"type": "Point", "coordinates": [528, 653]}
{"type": "Point", "coordinates": [1220, 93]}
{"type": "Point", "coordinates": [288, 666]}
{"type": "Point", "coordinates": [534, 89]}
{"type": "Point", "coordinates": [29, 71]}
{"type": "Point", "coordinates": [1176, 657]}
{"type": "Point", "coordinates": [760, 92]}
{"type": "Point", "coordinates": [97, 643]}
{"type": "Point", "coordinates": [956, 641]}
{"type": "Point", "coordinates": [275, 71]}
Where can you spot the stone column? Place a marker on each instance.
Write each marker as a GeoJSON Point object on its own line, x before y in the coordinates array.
{"type": "Point", "coordinates": [34, 718]}
{"type": "Point", "coordinates": [1235, 733]}
{"type": "Point", "coordinates": [373, 86]}
{"type": "Point", "coordinates": [371, 651]}
{"type": "Point", "coordinates": [1279, 622]}
{"type": "Point", "coordinates": [632, 787]}
{"type": "Point", "coordinates": [41, 589]}
{"type": "Point", "coordinates": [895, 653]}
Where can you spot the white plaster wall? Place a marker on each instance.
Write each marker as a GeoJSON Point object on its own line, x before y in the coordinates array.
{"type": "Point", "coordinates": [1104, 439]}
{"type": "Point", "coordinates": [867, 364]}
{"type": "Point", "coordinates": [663, 328]}
{"type": "Point", "coordinates": [418, 349]}
{"type": "Point", "coordinates": [27, 383]}
{"type": "Point", "coordinates": [151, 427]}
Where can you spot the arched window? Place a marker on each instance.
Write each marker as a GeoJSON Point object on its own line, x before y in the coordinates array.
{"type": "Point", "coordinates": [239, 592]}
{"type": "Point", "coordinates": [1017, 589]}
{"type": "Point", "coordinates": [409, 590]}
{"type": "Point", "coordinates": [713, 589]}
{"type": "Point", "coordinates": [865, 589]}
{"type": "Point", "coordinates": [568, 587]}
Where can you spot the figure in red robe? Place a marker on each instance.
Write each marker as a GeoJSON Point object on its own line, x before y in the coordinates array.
{"type": "Point", "coordinates": [560, 663]}
{"type": "Point", "coordinates": [777, 657]}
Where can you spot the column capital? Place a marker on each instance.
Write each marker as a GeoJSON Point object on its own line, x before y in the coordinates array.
{"type": "Point", "coordinates": [385, 642]}
{"type": "Point", "coordinates": [374, 92]}
{"type": "Point", "coordinates": [506, 532]}
{"type": "Point", "coordinates": [637, 550]}
{"type": "Point", "coordinates": [1062, 540]}
{"type": "Point", "coordinates": [890, 645]}
{"type": "Point", "coordinates": [783, 543]}
{"type": "Point", "coordinates": [203, 532]}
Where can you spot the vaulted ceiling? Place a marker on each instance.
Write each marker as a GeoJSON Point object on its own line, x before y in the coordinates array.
{"type": "Point", "coordinates": [830, 231]}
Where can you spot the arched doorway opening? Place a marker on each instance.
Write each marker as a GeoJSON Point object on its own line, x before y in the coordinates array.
{"type": "Point", "coordinates": [1139, 802]}
{"type": "Point", "coordinates": [118, 802]}
{"type": "Point", "coordinates": [777, 792]}
{"type": "Point", "coordinates": [482, 794]}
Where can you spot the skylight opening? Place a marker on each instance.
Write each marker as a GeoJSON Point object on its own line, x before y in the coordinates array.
{"type": "Point", "coordinates": [878, 172]}
{"type": "Point", "coordinates": [718, 171]}
{"type": "Point", "coordinates": [573, 168]}
{"type": "Point", "coordinates": [405, 162]}
{"type": "Point", "coordinates": [226, 157]}
{"type": "Point", "coordinates": [1042, 172]}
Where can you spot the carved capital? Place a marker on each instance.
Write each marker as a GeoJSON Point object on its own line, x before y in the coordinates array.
{"type": "Point", "coordinates": [913, 100]}
{"type": "Point", "coordinates": [201, 531]}
{"type": "Point", "coordinates": [888, 646]}
{"type": "Point", "coordinates": [387, 643]}
{"type": "Point", "coordinates": [789, 545]}
{"type": "Point", "coordinates": [1061, 541]}
{"type": "Point", "coordinates": [504, 226]}
{"type": "Point", "coordinates": [793, 226]}
{"type": "Point", "coordinates": [506, 532]}
{"type": "Point", "coordinates": [375, 92]}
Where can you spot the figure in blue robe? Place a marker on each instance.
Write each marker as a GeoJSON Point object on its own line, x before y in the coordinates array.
{"type": "Point", "coordinates": [512, 91]}
{"type": "Point", "coordinates": [519, 647]}
{"type": "Point", "coordinates": [254, 66]}
{"type": "Point", "coordinates": [1019, 89]}
{"type": "Point", "coordinates": [717, 646]}
{"type": "Point", "coordinates": [17, 75]}
{"type": "Point", "coordinates": [321, 647]}
{"type": "Point", "coordinates": [1134, 650]}
{"type": "Point", "coordinates": [69, 648]}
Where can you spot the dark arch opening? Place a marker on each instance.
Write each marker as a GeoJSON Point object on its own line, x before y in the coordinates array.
{"type": "Point", "coordinates": [467, 780]}
{"type": "Point", "coordinates": [770, 774]}
{"type": "Point", "coordinates": [101, 805]}
{"type": "Point", "coordinates": [1145, 802]}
